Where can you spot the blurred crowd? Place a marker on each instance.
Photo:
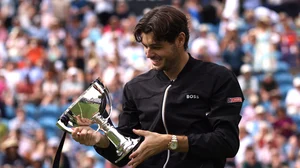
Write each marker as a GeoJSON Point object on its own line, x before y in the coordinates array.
{"type": "Point", "coordinates": [51, 50]}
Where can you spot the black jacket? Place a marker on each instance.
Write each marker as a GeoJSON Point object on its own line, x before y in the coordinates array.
{"type": "Point", "coordinates": [203, 103]}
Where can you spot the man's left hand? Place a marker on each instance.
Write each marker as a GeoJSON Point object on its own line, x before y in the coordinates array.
{"type": "Point", "coordinates": [153, 144]}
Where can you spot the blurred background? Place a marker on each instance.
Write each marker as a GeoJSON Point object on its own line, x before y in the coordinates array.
{"type": "Point", "coordinates": [50, 51]}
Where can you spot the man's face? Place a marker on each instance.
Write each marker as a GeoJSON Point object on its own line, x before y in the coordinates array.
{"type": "Point", "coordinates": [163, 55]}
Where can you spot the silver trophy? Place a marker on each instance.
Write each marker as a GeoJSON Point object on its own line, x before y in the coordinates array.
{"type": "Point", "coordinates": [93, 107]}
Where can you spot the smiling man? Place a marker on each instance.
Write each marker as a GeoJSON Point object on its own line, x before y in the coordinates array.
{"type": "Point", "coordinates": [187, 111]}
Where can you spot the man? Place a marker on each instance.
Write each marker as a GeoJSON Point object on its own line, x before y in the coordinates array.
{"type": "Point", "coordinates": [186, 110]}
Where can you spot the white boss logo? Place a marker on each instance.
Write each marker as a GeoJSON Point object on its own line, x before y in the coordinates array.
{"type": "Point", "coordinates": [192, 96]}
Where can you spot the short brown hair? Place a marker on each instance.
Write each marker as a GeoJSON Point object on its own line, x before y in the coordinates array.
{"type": "Point", "coordinates": [166, 22]}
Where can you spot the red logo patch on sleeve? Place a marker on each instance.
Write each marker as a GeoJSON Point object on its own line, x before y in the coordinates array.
{"type": "Point", "coordinates": [234, 99]}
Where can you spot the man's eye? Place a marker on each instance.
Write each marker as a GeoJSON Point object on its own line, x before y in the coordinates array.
{"type": "Point", "coordinates": [155, 48]}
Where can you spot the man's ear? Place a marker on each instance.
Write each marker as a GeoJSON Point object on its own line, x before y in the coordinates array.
{"type": "Point", "coordinates": [180, 40]}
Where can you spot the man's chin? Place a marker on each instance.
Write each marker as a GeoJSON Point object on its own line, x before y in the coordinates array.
{"type": "Point", "coordinates": [156, 67]}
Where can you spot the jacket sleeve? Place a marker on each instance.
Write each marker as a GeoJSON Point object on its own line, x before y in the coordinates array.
{"type": "Point", "coordinates": [225, 102]}
{"type": "Point", "coordinates": [128, 120]}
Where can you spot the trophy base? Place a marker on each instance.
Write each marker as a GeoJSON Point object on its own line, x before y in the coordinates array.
{"type": "Point", "coordinates": [129, 149]}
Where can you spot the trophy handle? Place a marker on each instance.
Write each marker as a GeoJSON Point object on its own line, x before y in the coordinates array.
{"type": "Point", "coordinates": [106, 99]}
{"type": "Point", "coordinates": [68, 129]}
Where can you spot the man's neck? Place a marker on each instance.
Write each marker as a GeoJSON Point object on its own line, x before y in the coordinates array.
{"type": "Point", "coordinates": [182, 60]}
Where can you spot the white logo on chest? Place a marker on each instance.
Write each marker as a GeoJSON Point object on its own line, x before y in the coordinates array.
{"type": "Point", "coordinates": [191, 96]}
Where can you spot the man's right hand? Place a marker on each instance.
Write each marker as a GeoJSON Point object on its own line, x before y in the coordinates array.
{"type": "Point", "coordinates": [87, 136]}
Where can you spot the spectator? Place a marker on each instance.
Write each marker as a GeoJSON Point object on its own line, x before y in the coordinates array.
{"type": "Point", "coordinates": [35, 52]}
{"type": "Point", "coordinates": [52, 146]}
{"type": "Point", "coordinates": [206, 46]}
{"type": "Point", "coordinates": [50, 88]}
{"type": "Point", "coordinates": [122, 10]}
{"type": "Point", "coordinates": [12, 76]}
{"type": "Point", "coordinates": [29, 86]}
{"type": "Point", "coordinates": [71, 86]}
{"type": "Point", "coordinates": [128, 27]}
{"type": "Point", "coordinates": [263, 59]}
{"type": "Point", "coordinates": [22, 122]}
{"type": "Point", "coordinates": [92, 32]}
{"type": "Point", "coordinates": [247, 21]}
{"type": "Point", "coordinates": [111, 71]}
{"type": "Point", "coordinates": [113, 26]}
{"type": "Point", "coordinates": [250, 159]}
{"type": "Point", "coordinates": [193, 8]}
{"type": "Point", "coordinates": [56, 32]}
{"type": "Point", "coordinates": [74, 27]}
{"type": "Point", "coordinates": [16, 43]}
{"type": "Point", "coordinates": [283, 124]}
{"type": "Point", "coordinates": [104, 9]}
{"type": "Point", "coordinates": [78, 8]}
{"type": "Point", "coordinates": [26, 10]}
{"type": "Point", "coordinates": [11, 157]}
{"type": "Point", "coordinates": [289, 43]}
{"type": "Point", "coordinates": [248, 112]}
{"type": "Point", "coordinates": [267, 86]}
{"type": "Point", "coordinates": [257, 126]}
{"type": "Point", "coordinates": [265, 145]}
{"type": "Point", "coordinates": [297, 164]}
{"type": "Point", "coordinates": [275, 102]}
{"type": "Point", "coordinates": [276, 161]}
{"type": "Point", "coordinates": [36, 31]}
{"type": "Point", "coordinates": [54, 51]}
{"type": "Point", "coordinates": [232, 49]}
{"type": "Point", "coordinates": [292, 99]}
{"type": "Point", "coordinates": [24, 90]}
{"type": "Point", "coordinates": [89, 160]}
{"type": "Point", "coordinates": [246, 140]}
{"type": "Point", "coordinates": [250, 4]}
{"type": "Point", "coordinates": [3, 38]}
{"type": "Point", "coordinates": [248, 82]}
{"type": "Point", "coordinates": [279, 145]}
{"type": "Point", "coordinates": [3, 92]}
{"type": "Point", "coordinates": [58, 9]}
{"type": "Point", "coordinates": [292, 149]}
{"type": "Point", "coordinates": [133, 53]}
{"type": "Point", "coordinates": [40, 142]}
{"type": "Point", "coordinates": [112, 40]}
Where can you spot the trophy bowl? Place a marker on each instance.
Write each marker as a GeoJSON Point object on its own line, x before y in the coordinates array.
{"type": "Point", "coordinates": [94, 101]}
{"type": "Point", "coordinates": [93, 107]}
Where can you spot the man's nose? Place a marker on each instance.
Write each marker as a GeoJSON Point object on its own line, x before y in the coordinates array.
{"type": "Point", "coordinates": [149, 53]}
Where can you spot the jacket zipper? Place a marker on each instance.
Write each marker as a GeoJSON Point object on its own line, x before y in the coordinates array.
{"type": "Point", "coordinates": [163, 118]}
